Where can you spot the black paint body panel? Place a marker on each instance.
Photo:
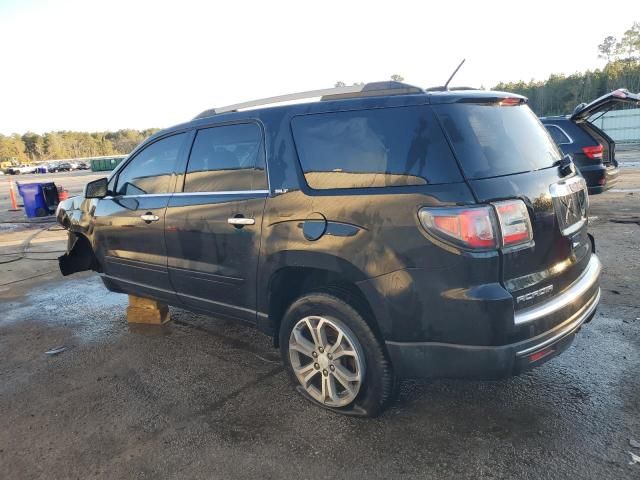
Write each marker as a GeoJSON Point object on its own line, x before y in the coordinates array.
{"type": "Point", "coordinates": [417, 288]}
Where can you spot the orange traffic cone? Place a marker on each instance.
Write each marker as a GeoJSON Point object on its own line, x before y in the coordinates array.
{"type": "Point", "coordinates": [12, 197]}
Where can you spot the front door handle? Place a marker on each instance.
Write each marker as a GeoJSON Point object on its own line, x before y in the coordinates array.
{"type": "Point", "coordinates": [241, 221]}
{"type": "Point", "coordinates": [149, 217]}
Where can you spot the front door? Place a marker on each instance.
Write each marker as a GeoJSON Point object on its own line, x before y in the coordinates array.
{"type": "Point", "coordinates": [129, 224]}
{"type": "Point", "coordinates": [213, 225]}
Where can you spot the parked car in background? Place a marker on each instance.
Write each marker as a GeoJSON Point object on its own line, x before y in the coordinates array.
{"type": "Point", "coordinates": [22, 169]}
{"type": "Point", "coordinates": [61, 167]}
{"type": "Point", "coordinates": [592, 150]}
{"type": "Point", "coordinates": [83, 166]}
{"type": "Point", "coordinates": [5, 165]}
{"type": "Point", "coordinates": [383, 232]}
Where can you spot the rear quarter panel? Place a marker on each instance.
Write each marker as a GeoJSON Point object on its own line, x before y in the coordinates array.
{"type": "Point", "coordinates": [373, 238]}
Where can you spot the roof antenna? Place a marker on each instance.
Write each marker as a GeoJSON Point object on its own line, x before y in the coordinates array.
{"type": "Point", "coordinates": [446, 85]}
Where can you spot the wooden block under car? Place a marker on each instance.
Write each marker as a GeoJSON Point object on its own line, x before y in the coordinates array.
{"type": "Point", "coordinates": [144, 310]}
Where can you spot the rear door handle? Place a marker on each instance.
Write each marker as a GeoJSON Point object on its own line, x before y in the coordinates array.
{"type": "Point", "coordinates": [149, 217]}
{"type": "Point", "coordinates": [241, 221]}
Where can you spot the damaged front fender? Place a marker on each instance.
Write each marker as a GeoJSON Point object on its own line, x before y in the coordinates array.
{"type": "Point", "coordinates": [79, 256]}
{"type": "Point", "coordinates": [74, 214]}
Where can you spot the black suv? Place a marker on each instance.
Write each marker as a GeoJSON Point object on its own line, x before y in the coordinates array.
{"type": "Point", "coordinates": [380, 233]}
{"type": "Point", "coordinates": [592, 150]}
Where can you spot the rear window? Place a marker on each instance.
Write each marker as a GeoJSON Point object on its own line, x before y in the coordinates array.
{"type": "Point", "coordinates": [491, 140]}
{"type": "Point", "coordinates": [373, 148]}
{"type": "Point", "coordinates": [558, 135]}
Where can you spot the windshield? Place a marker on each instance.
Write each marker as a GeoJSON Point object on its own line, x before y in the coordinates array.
{"type": "Point", "coordinates": [492, 140]}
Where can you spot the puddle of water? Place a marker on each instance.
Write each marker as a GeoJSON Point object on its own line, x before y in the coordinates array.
{"type": "Point", "coordinates": [84, 304]}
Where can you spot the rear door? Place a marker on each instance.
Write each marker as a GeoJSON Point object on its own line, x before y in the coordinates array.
{"type": "Point", "coordinates": [506, 153]}
{"type": "Point", "coordinates": [214, 221]}
{"type": "Point", "coordinates": [585, 112]}
{"type": "Point", "coordinates": [129, 225]}
{"type": "Point", "coordinates": [604, 103]}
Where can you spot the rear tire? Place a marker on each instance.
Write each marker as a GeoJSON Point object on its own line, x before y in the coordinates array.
{"type": "Point", "coordinates": [326, 341]}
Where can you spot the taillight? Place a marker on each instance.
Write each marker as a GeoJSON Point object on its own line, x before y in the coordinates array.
{"type": "Point", "coordinates": [469, 227]}
{"type": "Point", "coordinates": [477, 227]}
{"type": "Point", "coordinates": [594, 152]}
{"type": "Point", "coordinates": [514, 221]}
{"type": "Point", "coordinates": [510, 102]}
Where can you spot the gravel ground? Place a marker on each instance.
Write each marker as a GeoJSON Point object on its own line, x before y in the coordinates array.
{"type": "Point", "coordinates": [205, 398]}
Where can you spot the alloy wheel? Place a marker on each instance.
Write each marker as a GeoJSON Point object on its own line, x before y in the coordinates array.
{"type": "Point", "coordinates": [327, 360]}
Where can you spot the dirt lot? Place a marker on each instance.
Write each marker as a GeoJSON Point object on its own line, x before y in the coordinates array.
{"type": "Point", "coordinates": [204, 398]}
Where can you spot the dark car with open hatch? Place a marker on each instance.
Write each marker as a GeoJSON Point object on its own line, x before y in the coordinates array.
{"type": "Point", "coordinates": [592, 150]}
{"type": "Point", "coordinates": [380, 233]}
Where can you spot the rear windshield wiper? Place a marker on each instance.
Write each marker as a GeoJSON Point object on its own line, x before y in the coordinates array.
{"type": "Point", "coordinates": [565, 164]}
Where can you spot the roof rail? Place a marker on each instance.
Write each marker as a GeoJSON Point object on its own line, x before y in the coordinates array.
{"type": "Point", "coordinates": [452, 89]}
{"type": "Point", "coordinates": [336, 93]}
{"type": "Point", "coordinates": [377, 89]}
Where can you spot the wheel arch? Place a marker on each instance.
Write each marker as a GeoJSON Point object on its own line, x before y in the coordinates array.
{"type": "Point", "coordinates": [290, 282]}
{"type": "Point", "coordinates": [80, 255]}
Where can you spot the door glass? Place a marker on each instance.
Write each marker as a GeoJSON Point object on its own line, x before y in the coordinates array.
{"type": "Point", "coordinates": [226, 158]}
{"type": "Point", "coordinates": [382, 147]}
{"type": "Point", "coordinates": [150, 170]}
{"type": "Point", "coordinates": [558, 135]}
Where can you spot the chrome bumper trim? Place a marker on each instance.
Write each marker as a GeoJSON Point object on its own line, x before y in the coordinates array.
{"type": "Point", "coordinates": [590, 276]}
{"type": "Point", "coordinates": [574, 323]}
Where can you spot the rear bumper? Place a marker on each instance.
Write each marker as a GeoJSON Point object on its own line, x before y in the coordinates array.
{"type": "Point", "coordinates": [432, 359]}
{"type": "Point", "coordinates": [600, 178]}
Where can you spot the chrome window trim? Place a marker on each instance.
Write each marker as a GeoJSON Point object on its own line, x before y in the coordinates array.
{"type": "Point", "coordinates": [588, 278]}
{"type": "Point", "coordinates": [227, 192]}
{"type": "Point", "coordinates": [563, 131]}
{"type": "Point", "coordinates": [182, 194]}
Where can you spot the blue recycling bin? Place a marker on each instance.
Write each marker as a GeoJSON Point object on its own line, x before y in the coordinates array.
{"type": "Point", "coordinates": [33, 199]}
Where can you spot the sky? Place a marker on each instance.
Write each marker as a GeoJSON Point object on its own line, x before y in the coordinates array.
{"type": "Point", "coordinates": [95, 65]}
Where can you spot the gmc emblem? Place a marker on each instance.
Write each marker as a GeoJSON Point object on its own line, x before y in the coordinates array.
{"type": "Point", "coordinates": [536, 293]}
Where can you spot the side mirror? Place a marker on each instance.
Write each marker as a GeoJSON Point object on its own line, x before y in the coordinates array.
{"type": "Point", "coordinates": [96, 189]}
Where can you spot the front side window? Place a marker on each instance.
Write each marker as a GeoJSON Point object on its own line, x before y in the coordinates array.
{"type": "Point", "coordinates": [386, 147]}
{"type": "Point", "coordinates": [226, 158]}
{"type": "Point", "coordinates": [150, 170]}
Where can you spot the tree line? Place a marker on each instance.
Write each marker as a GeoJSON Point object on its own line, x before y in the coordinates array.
{"type": "Point", "coordinates": [560, 94]}
{"type": "Point", "coordinates": [32, 147]}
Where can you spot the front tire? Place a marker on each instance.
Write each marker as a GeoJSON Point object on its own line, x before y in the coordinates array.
{"type": "Point", "coordinates": [333, 357]}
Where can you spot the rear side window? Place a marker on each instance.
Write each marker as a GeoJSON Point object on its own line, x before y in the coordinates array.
{"type": "Point", "coordinates": [149, 172]}
{"type": "Point", "coordinates": [373, 148]}
{"type": "Point", "coordinates": [492, 140]}
{"type": "Point", "coordinates": [226, 158]}
{"type": "Point", "coordinates": [558, 135]}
